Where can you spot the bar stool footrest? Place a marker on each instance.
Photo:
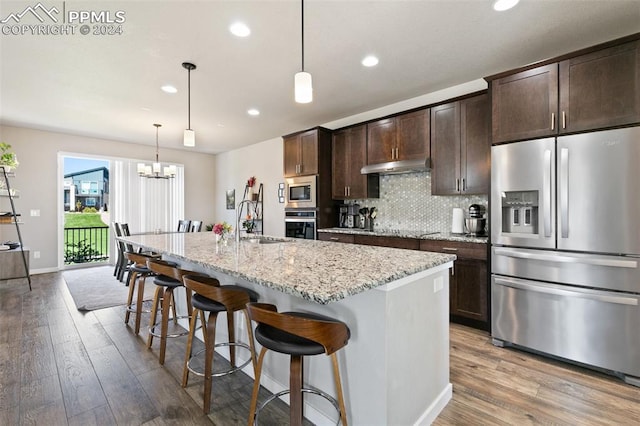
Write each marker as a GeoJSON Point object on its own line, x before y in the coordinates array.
{"type": "Point", "coordinates": [312, 390]}
{"type": "Point", "coordinates": [233, 369]}
{"type": "Point", "coordinates": [154, 333]}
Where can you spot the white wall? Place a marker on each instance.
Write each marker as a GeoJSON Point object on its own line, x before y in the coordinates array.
{"type": "Point", "coordinates": [263, 160]}
{"type": "Point", "coordinates": [36, 178]}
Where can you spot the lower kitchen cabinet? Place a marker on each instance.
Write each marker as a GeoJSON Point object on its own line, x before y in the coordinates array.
{"type": "Point", "coordinates": [338, 238]}
{"type": "Point", "coordinates": [394, 242]}
{"type": "Point", "coordinates": [468, 281]}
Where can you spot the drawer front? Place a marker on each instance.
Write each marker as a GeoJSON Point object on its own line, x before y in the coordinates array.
{"type": "Point", "coordinates": [462, 250]}
{"type": "Point", "coordinates": [395, 242]}
{"type": "Point", "coordinates": [338, 238]}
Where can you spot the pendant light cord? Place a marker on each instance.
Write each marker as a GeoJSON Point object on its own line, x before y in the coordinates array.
{"type": "Point", "coordinates": [189, 97]}
{"type": "Point", "coordinates": [302, 31]}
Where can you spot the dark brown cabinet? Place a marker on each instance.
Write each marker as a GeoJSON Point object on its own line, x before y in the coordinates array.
{"type": "Point", "coordinates": [600, 89]}
{"type": "Point", "coordinates": [460, 147]}
{"type": "Point", "coordinates": [349, 155]}
{"type": "Point", "coordinates": [590, 91]}
{"type": "Point", "coordinates": [394, 242]}
{"type": "Point", "coordinates": [302, 150]}
{"type": "Point", "coordinates": [403, 137]}
{"type": "Point", "coordinates": [468, 281]}
{"type": "Point", "coordinates": [338, 238]}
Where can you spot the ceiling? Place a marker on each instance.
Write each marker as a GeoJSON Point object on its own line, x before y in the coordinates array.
{"type": "Point", "coordinates": [108, 86]}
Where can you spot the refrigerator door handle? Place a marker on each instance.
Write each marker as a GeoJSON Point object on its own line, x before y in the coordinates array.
{"type": "Point", "coordinates": [564, 193]}
{"type": "Point", "coordinates": [546, 193]}
{"type": "Point", "coordinates": [596, 261]}
{"type": "Point", "coordinates": [555, 290]}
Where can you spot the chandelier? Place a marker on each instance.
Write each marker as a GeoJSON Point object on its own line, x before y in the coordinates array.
{"type": "Point", "coordinates": [156, 170]}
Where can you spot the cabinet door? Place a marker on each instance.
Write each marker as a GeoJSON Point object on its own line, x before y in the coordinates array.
{"type": "Point", "coordinates": [381, 141]}
{"type": "Point", "coordinates": [525, 104]}
{"type": "Point", "coordinates": [308, 153]}
{"type": "Point", "coordinates": [601, 89]}
{"type": "Point", "coordinates": [475, 145]}
{"type": "Point", "coordinates": [469, 290]}
{"type": "Point", "coordinates": [445, 149]}
{"type": "Point", "coordinates": [291, 156]}
{"type": "Point", "coordinates": [413, 135]}
{"type": "Point", "coordinates": [357, 182]}
{"type": "Point", "coordinates": [339, 164]}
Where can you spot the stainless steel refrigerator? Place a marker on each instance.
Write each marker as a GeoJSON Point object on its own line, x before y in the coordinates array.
{"type": "Point", "coordinates": [565, 235]}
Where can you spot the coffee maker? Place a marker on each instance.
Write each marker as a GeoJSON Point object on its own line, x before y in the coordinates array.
{"type": "Point", "coordinates": [349, 216]}
{"type": "Point", "coordinates": [343, 211]}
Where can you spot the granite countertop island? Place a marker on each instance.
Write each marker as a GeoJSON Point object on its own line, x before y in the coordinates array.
{"type": "Point", "coordinates": [395, 367]}
{"type": "Point", "coordinates": [318, 271]}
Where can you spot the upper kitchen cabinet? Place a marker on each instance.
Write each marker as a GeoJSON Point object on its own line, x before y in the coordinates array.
{"type": "Point", "coordinates": [601, 89]}
{"type": "Point", "coordinates": [403, 137]}
{"type": "Point", "coordinates": [349, 155]}
{"type": "Point", "coordinates": [525, 104]}
{"type": "Point", "coordinates": [305, 151]}
{"type": "Point", "coordinates": [460, 147]}
{"type": "Point", "coordinates": [594, 89]}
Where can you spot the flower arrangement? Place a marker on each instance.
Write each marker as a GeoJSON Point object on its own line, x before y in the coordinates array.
{"type": "Point", "coordinates": [251, 181]}
{"type": "Point", "coordinates": [222, 229]}
{"type": "Point", "coordinates": [7, 158]}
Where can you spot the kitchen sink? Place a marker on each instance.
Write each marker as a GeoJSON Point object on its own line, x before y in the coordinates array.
{"type": "Point", "coordinates": [266, 240]}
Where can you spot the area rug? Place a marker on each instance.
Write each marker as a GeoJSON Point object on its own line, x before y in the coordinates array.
{"type": "Point", "coordinates": [96, 288]}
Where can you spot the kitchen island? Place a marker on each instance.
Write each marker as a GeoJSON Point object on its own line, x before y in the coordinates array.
{"type": "Point", "coordinates": [395, 369]}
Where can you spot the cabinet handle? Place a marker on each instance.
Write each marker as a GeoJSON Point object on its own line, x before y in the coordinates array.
{"type": "Point", "coordinates": [349, 191]}
{"type": "Point", "coordinates": [553, 121]}
{"type": "Point", "coordinates": [334, 238]}
{"type": "Point", "coordinates": [464, 184]}
{"type": "Point", "coordinates": [564, 120]}
{"type": "Point", "coordinates": [397, 153]}
{"type": "Point", "coordinates": [458, 185]}
{"type": "Point", "coordinates": [450, 248]}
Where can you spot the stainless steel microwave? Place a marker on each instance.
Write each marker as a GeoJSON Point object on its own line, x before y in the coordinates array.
{"type": "Point", "coordinates": [300, 192]}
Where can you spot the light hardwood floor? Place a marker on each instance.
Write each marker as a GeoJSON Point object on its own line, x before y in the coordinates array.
{"type": "Point", "coordinates": [59, 366]}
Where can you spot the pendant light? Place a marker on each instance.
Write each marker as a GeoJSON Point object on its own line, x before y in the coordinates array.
{"type": "Point", "coordinates": [189, 135]}
{"type": "Point", "coordinates": [155, 170]}
{"type": "Point", "coordinates": [303, 85]}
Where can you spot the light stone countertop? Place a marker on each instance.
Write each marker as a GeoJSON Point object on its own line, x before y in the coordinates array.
{"type": "Point", "coordinates": [443, 236]}
{"type": "Point", "coordinates": [319, 271]}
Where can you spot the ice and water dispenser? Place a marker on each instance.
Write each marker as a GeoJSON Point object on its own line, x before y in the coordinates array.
{"type": "Point", "coordinates": [520, 212]}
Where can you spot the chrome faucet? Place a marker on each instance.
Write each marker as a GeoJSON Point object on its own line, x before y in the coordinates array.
{"type": "Point", "coordinates": [238, 213]}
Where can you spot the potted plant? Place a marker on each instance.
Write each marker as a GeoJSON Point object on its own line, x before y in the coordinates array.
{"type": "Point", "coordinates": [249, 225]}
{"type": "Point", "coordinates": [8, 159]}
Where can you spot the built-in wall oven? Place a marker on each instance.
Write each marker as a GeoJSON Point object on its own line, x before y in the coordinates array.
{"type": "Point", "coordinates": [300, 192]}
{"type": "Point", "coordinates": [300, 223]}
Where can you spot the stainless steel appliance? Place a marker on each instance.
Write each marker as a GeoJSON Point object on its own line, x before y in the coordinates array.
{"type": "Point", "coordinates": [566, 246]}
{"type": "Point", "coordinates": [300, 223]}
{"type": "Point", "coordinates": [300, 192]}
{"type": "Point", "coordinates": [476, 221]}
{"type": "Point", "coordinates": [353, 216]}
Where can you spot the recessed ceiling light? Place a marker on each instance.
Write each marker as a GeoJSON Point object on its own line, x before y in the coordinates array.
{"type": "Point", "coordinates": [240, 29]}
{"type": "Point", "coordinates": [502, 5]}
{"type": "Point", "coordinates": [370, 61]}
{"type": "Point", "coordinates": [253, 112]}
{"type": "Point", "coordinates": [167, 88]}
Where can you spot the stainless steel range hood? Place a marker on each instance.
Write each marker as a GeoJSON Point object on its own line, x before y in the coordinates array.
{"type": "Point", "coordinates": [396, 167]}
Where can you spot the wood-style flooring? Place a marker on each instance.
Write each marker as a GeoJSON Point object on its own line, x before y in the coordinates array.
{"type": "Point", "coordinates": [59, 366]}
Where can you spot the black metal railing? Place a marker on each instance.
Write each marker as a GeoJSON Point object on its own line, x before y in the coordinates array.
{"type": "Point", "coordinates": [83, 245]}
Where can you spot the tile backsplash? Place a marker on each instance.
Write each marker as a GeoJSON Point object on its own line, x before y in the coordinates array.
{"type": "Point", "coordinates": [406, 203]}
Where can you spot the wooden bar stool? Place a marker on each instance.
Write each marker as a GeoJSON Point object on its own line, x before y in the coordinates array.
{"type": "Point", "coordinates": [209, 296]}
{"type": "Point", "coordinates": [297, 334]}
{"type": "Point", "coordinates": [138, 273]}
{"type": "Point", "coordinates": [168, 278]}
